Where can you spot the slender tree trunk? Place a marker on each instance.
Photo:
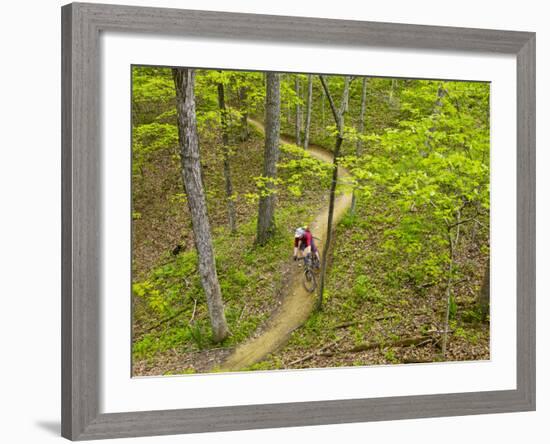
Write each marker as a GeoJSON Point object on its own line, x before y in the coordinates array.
{"type": "Point", "coordinates": [392, 90]}
{"type": "Point", "coordinates": [448, 294]}
{"type": "Point", "coordinates": [245, 133]}
{"type": "Point", "coordinates": [288, 113]}
{"type": "Point", "coordinates": [323, 111]}
{"type": "Point", "coordinates": [184, 80]}
{"type": "Point", "coordinates": [360, 131]}
{"type": "Point", "coordinates": [308, 110]}
{"type": "Point", "coordinates": [288, 103]}
{"type": "Point", "coordinates": [226, 166]}
{"type": "Point", "coordinates": [298, 111]}
{"type": "Point", "coordinates": [266, 210]}
{"type": "Point", "coordinates": [435, 112]}
{"type": "Point", "coordinates": [457, 238]}
{"type": "Point", "coordinates": [484, 293]}
{"type": "Point", "coordinates": [339, 119]}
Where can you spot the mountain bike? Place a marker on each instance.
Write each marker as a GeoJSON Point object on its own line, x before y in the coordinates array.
{"type": "Point", "coordinates": [309, 280]}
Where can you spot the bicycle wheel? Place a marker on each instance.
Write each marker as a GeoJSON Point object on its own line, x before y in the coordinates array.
{"type": "Point", "coordinates": [309, 281]}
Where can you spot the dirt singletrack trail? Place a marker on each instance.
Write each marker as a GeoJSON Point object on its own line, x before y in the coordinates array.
{"type": "Point", "coordinates": [298, 304]}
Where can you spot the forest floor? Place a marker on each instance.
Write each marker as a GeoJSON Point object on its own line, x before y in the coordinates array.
{"type": "Point", "coordinates": [298, 304]}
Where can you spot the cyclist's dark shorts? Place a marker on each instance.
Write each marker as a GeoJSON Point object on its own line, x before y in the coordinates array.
{"type": "Point", "coordinates": [313, 246]}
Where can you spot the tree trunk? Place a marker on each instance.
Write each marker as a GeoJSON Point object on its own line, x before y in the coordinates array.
{"type": "Point", "coordinates": [308, 110]}
{"type": "Point", "coordinates": [184, 80]}
{"type": "Point", "coordinates": [323, 111]}
{"type": "Point", "coordinates": [360, 131]}
{"type": "Point", "coordinates": [266, 210]}
{"type": "Point", "coordinates": [339, 119]}
{"type": "Point", "coordinates": [245, 133]}
{"type": "Point", "coordinates": [392, 89]}
{"type": "Point", "coordinates": [226, 166]}
{"type": "Point", "coordinates": [484, 293]}
{"type": "Point", "coordinates": [298, 111]}
{"type": "Point", "coordinates": [448, 293]}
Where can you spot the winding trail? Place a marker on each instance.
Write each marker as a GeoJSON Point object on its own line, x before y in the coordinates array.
{"type": "Point", "coordinates": [298, 304]}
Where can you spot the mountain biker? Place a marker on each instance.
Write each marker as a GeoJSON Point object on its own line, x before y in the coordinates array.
{"type": "Point", "coordinates": [303, 241]}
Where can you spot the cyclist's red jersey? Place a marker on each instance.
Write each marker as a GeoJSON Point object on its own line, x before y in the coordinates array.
{"type": "Point", "coordinates": [306, 239]}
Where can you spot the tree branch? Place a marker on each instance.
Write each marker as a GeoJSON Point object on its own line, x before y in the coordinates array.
{"type": "Point", "coordinates": [330, 100]}
{"type": "Point", "coordinates": [460, 222]}
{"type": "Point", "coordinates": [315, 353]}
{"type": "Point", "coordinates": [406, 342]}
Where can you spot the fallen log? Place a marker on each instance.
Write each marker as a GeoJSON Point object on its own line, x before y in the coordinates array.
{"type": "Point", "coordinates": [164, 321]}
{"type": "Point", "coordinates": [315, 353]}
{"type": "Point", "coordinates": [351, 323]}
{"type": "Point", "coordinates": [399, 343]}
{"type": "Point", "coordinates": [378, 318]}
{"type": "Point", "coordinates": [406, 342]}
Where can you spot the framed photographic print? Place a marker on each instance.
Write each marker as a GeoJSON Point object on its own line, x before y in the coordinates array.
{"type": "Point", "coordinates": [278, 221]}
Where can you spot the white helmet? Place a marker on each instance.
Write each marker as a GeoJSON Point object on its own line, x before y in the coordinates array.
{"type": "Point", "coordinates": [299, 232]}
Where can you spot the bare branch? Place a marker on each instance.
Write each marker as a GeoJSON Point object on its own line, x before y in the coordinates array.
{"type": "Point", "coordinates": [194, 310]}
{"type": "Point", "coordinates": [460, 222]}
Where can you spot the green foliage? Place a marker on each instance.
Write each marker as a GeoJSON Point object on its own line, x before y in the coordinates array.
{"type": "Point", "coordinates": [153, 94]}
{"type": "Point", "coordinates": [391, 356]}
{"type": "Point", "coordinates": [197, 335]}
{"type": "Point", "coordinates": [471, 336]}
{"type": "Point", "coordinates": [237, 102]}
{"type": "Point", "coordinates": [364, 289]}
{"type": "Point", "coordinates": [348, 221]}
{"type": "Point", "coordinates": [149, 138]}
{"type": "Point", "coordinates": [435, 166]}
{"type": "Point", "coordinates": [452, 308]}
{"type": "Point", "coordinates": [301, 168]}
{"type": "Point", "coordinates": [472, 315]}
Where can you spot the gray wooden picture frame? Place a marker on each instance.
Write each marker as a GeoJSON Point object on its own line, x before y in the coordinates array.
{"type": "Point", "coordinates": [81, 231]}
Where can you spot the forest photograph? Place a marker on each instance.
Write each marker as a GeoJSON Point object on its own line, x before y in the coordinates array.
{"type": "Point", "coordinates": [285, 221]}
